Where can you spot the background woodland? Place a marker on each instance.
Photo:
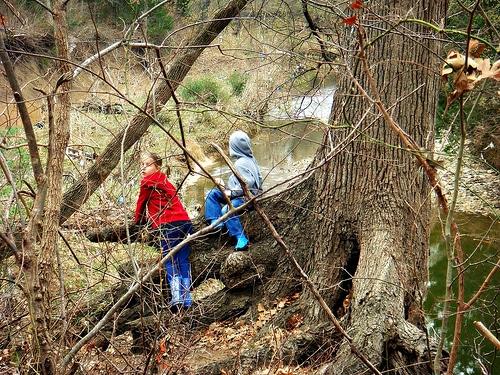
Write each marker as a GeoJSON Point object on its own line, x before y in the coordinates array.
{"type": "Point", "coordinates": [89, 85]}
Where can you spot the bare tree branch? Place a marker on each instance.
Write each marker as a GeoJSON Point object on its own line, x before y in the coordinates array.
{"type": "Point", "coordinates": [23, 111]}
{"type": "Point", "coordinates": [108, 160]}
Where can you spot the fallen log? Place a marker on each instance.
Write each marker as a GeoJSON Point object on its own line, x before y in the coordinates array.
{"type": "Point", "coordinates": [212, 256]}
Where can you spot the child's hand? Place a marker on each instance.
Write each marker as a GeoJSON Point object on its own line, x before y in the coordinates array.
{"type": "Point", "coordinates": [220, 182]}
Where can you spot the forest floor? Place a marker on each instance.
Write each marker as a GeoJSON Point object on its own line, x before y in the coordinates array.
{"type": "Point", "coordinates": [478, 194]}
{"type": "Point", "coordinates": [175, 353]}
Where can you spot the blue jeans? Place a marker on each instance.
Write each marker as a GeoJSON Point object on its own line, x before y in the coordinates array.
{"type": "Point", "coordinates": [216, 206]}
{"type": "Point", "coordinates": [170, 235]}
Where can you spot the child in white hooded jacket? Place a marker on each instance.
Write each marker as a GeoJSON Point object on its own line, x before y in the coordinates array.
{"type": "Point", "coordinates": [240, 148]}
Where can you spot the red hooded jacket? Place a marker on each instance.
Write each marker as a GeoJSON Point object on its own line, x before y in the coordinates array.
{"type": "Point", "coordinates": [158, 202]}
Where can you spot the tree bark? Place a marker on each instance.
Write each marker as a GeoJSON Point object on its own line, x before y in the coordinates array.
{"type": "Point", "coordinates": [38, 265]}
{"type": "Point", "coordinates": [374, 197]}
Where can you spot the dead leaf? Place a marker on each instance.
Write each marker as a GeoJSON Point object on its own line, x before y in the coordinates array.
{"type": "Point", "coordinates": [472, 64]}
{"type": "Point", "coordinates": [484, 67]}
{"type": "Point", "coordinates": [356, 4]}
{"type": "Point", "coordinates": [476, 48]}
{"type": "Point", "coordinates": [447, 69]}
{"type": "Point", "coordinates": [295, 321]}
{"type": "Point", "coordinates": [349, 21]}
{"type": "Point", "coordinates": [455, 60]}
{"type": "Point", "coordinates": [284, 371]}
{"type": "Point", "coordinates": [462, 82]}
{"type": "Point", "coordinates": [493, 72]}
{"type": "Point", "coordinates": [162, 346]}
{"type": "Point", "coordinates": [258, 324]}
{"type": "Point", "coordinates": [473, 45]}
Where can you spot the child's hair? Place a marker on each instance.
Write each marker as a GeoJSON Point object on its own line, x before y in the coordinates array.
{"type": "Point", "coordinates": [151, 155]}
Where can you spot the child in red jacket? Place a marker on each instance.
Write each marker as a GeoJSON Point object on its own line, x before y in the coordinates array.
{"type": "Point", "coordinates": [159, 205]}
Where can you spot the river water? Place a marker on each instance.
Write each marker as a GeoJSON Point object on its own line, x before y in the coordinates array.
{"type": "Point", "coordinates": [281, 154]}
{"type": "Point", "coordinates": [480, 239]}
{"type": "Point", "coordinates": [281, 151]}
{"type": "Point", "coordinates": [284, 152]}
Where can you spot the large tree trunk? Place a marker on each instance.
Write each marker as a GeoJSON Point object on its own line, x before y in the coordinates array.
{"type": "Point", "coordinates": [374, 199]}
{"type": "Point", "coordinates": [360, 224]}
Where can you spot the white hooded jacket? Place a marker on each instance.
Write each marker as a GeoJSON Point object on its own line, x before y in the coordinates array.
{"type": "Point", "coordinates": [240, 148]}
